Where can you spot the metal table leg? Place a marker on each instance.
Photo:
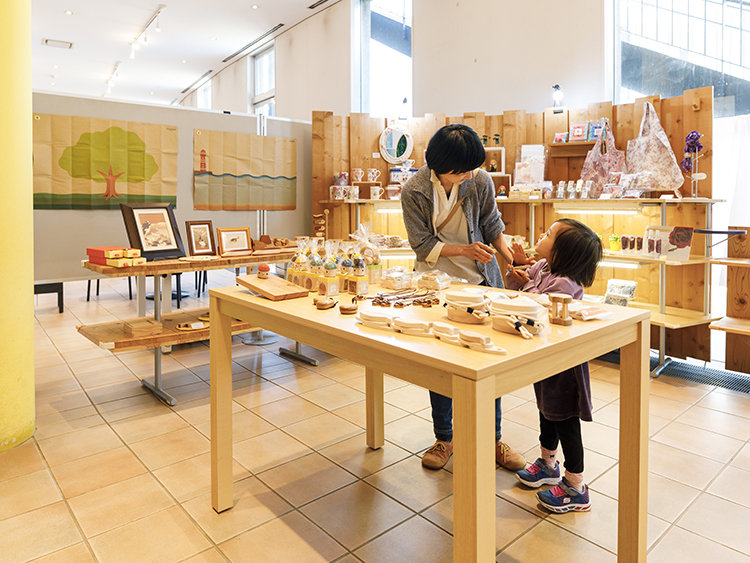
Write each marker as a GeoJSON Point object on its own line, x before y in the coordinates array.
{"type": "Point", "coordinates": [298, 355]}
{"type": "Point", "coordinates": [156, 386]}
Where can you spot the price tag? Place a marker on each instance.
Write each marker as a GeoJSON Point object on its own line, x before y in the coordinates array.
{"type": "Point", "coordinates": [666, 196]}
{"type": "Point", "coordinates": [533, 197]}
{"type": "Point", "coordinates": [196, 325]}
{"type": "Point", "coordinates": [605, 196]}
{"type": "Point", "coordinates": [376, 155]}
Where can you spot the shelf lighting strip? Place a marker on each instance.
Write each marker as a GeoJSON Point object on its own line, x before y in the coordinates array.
{"type": "Point", "coordinates": [626, 265]}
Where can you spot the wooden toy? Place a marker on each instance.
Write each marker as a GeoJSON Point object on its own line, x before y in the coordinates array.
{"type": "Point", "coordinates": [263, 271]}
{"type": "Point", "coordinates": [560, 314]}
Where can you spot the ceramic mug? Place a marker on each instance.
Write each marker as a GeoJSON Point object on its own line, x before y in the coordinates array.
{"type": "Point", "coordinates": [393, 192]}
{"type": "Point", "coordinates": [407, 164]}
{"type": "Point", "coordinates": [337, 192]}
{"type": "Point", "coordinates": [373, 174]}
{"type": "Point", "coordinates": [376, 192]}
{"type": "Point", "coordinates": [352, 192]}
{"type": "Point", "coordinates": [341, 179]}
{"type": "Point", "coordinates": [358, 174]}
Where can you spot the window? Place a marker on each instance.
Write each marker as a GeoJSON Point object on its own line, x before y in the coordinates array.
{"type": "Point", "coordinates": [385, 58]}
{"type": "Point", "coordinates": [263, 84]}
{"type": "Point", "coordinates": [667, 46]}
{"type": "Point", "coordinates": [204, 96]}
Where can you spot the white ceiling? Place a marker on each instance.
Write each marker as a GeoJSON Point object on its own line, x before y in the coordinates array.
{"type": "Point", "coordinates": [101, 32]}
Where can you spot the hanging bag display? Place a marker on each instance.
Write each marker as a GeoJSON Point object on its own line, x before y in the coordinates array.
{"type": "Point", "coordinates": [602, 160]}
{"type": "Point", "coordinates": [651, 156]}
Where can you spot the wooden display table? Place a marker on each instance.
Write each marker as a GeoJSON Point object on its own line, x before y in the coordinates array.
{"type": "Point", "coordinates": [732, 325]}
{"type": "Point", "coordinates": [473, 379]}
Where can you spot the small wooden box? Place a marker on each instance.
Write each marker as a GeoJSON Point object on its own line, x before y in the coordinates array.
{"type": "Point", "coordinates": [120, 262]}
{"type": "Point", "coordinates": [142, 327]}
{"type": "Point", "coordinates": [359, 285]}
{"type": "Point", "coordinates": [328, 286]}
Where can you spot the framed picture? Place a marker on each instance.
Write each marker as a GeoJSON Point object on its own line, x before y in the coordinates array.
{"type": "Point", "coordinates": [200, 236]}
{"type": "Point", "coordinates": [152, 228]}
{"type": "Point", "coordinates": [234, 241]}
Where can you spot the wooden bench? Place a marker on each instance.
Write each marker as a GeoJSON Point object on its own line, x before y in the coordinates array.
{"type": "Point", "coordinates": [51, 287]}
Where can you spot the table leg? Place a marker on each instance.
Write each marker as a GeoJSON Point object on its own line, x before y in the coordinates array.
{"type": "Point", "coordinates": [140, 295]}
{"type": "Point", "coordinates": [633, 503]}
{"type": "Point", "coordinates": [473, 470]}
{"type": "Point", "coordinates": [221, 409]}
{"type": "Point", "coordinates": [374, 408]}
{"type": "Point", "coordinates": [156, 387]}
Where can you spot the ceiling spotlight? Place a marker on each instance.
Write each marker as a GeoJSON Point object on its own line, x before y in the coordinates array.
{"type": "Point", "coordinates": [214, 38]}
{"type": "Point", "coordinates": [152, 93]}
{"type": "Point", "coordinates": [184, 61]}
{"type": "Point", "coordinates": [55, 66]}
{"type": "Point", "coordinates": [255, 6]}
{"type": "Point", "coordinates": [52, 83]}
{"type": "Point", "coordinates": [132, 50]}
{"type": "Point", "coordinates": [68, 12]}
{"type": "Point", "coordinates": [158, 27]}
{"type": "Point", "coordinates": [145, 37]}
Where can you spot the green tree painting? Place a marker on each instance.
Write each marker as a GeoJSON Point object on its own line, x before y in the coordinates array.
{"type": "Point", "coordinates": [109, 156]}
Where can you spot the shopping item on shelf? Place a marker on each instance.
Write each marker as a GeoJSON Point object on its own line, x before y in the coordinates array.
{"type": "Point", "coordinates": [602, 161]}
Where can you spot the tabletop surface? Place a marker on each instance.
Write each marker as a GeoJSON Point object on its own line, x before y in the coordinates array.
{"type": "Point", "coordinates": [430, 351]}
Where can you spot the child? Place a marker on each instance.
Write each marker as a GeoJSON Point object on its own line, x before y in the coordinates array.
{"type": "Point", "coordinates": [570, 253]}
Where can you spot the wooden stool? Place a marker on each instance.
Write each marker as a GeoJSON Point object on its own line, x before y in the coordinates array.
{"type": "Point", "coordinates": [560, 309]}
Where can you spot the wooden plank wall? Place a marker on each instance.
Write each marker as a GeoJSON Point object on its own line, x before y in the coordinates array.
{"type": "Point", "coordinates": [738, 303]}
{"type": "Point", "coordinates": [678, 116]}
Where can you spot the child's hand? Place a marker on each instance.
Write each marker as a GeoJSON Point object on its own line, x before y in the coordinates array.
{"type": "Point", "coordinates": [519, 255]}
{"type": "Point", "coordinates": [519, 276]}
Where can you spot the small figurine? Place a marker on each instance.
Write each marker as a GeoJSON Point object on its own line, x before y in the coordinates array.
{"type": "Point", "coordinates": [359, 266]}
{"type": "Point", "coordinates": [493, 165]}
{"type": "Point", "coordinates": [263, 271]}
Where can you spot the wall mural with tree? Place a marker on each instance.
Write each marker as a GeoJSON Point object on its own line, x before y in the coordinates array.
{"type": "Point", "coordinates": [86, 163]}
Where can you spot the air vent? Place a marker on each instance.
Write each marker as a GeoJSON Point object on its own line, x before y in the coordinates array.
{"type": "Point", "coordinates": [196, 82]}
{"type": "Point", "coordinates": [318, 3]}
{"type": "Point", "coordinates": [58, 44]}
{"type": "Point", "coordinates": [255, 41]}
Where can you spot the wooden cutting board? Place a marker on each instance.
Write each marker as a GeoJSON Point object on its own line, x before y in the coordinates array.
{"type": "Point", "coordinates": [273, 288]}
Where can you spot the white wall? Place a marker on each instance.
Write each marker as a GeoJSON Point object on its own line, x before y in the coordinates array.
{"type": "Point", "coordinates": [497, 55]}
{"type": "Point", "coordinates": [229, 88]}
{"type": "Point", "coordinates": [313, 65]}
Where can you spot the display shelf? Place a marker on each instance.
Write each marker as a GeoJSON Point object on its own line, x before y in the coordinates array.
{"type": "Point", "coordinates": [739, 262]}
{"type": "Point", "coordinates": [573, 149]}
{"type": "Point", "coordinates": [397, 253]}
{"type": "Point", "coordinates": [620, 256]}
{"type": "Point", "coordinates": [732, 325]}
{"type": "Point", "coordinates": [674, 317]}
{"type": "Point", "coordinates": [111, 335]}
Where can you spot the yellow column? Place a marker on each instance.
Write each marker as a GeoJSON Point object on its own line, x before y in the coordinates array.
{"type": "Point", "coordinates": [16, 227]}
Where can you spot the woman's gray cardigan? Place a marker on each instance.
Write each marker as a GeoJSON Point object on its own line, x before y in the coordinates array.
{"type": "Point", "coordinates": [479, 206]}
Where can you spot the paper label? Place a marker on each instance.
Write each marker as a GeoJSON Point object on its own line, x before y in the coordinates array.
{"type": "Point", "coordinates": [605, 196]}
{"type": "Point", "coordinates": [667, 196]}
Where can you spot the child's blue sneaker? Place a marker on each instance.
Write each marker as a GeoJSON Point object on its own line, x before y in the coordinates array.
{"type": "Point", "coordinates": [539, 473]}
{"type": "Point", "coordinates": [564, 498]}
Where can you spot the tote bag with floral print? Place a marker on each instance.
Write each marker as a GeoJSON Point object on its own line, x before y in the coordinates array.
{"type": "Point", "coordinates": [652, 152]}
{"type": "Point", "coordinates": [602, 160]}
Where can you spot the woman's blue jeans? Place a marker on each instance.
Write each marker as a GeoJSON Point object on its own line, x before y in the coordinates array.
{"type": "Point", "coordinates": [442, 417]}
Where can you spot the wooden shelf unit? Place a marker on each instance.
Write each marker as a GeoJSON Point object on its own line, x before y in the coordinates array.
{"type": "Point", "coordinates": [568, 150]}
{"type": "Point", "coordinates": [732, 325]}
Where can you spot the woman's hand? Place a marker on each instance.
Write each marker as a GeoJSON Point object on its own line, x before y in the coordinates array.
{"type": "Point", "coordinates": [519, 255]}
{"type": "Point", "coordinates": [519, 276]}
{"type": "Point", "coordinates": [479, 252]}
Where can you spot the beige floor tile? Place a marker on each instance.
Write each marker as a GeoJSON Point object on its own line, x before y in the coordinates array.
{"type": "Point", "coordinates": [97, 470]}
{"type": "Point", "coordinates": [375, 514]}
{"type": "Point", "coordinates": [149, 425]}
{"type": "Point", "coordinates": [525, 414]}
{"type": "Point", "coordinates": [198, 411]}
{"type": "Point", "coordinates": [21, 460]}
{"type": "Point", "coordinates": [354, 455]}
{"type": "Point", "coordinates": [289, 538]}
{"type": "Point", "coordinates": [666, 408]}
{"type": "Point", "coordinates": [52, 404]}
{"type": "Point", "coordinates": [339, 370]}
{"type": "Point", "coordinates": [78, 553]}
{"type": "Point", "coordinates": [409, 398]}
{"type": "Point", "coordinates": [724, 402]}
{"type": "Point", "coordinates": [716, 421]}
{"type": "Point", "coordinates": [545, 539]}
{"type": "Point", "coordinates": [610, 416]}
{"type": "Point", "coordinates": [604, 390]}
{"type": "Point", "coordinates": [357, 413]}
{"type": "Point", "coordinates": [686, 547]}
{"type": "Point", "coordinates": [510, 523]}
{"type": "Point", "coordinates": [416, 541]}
{"type": "Point", "coordinates": [204, 372]}
{"type": "Point", "coordinates": [723, 521]}
{"type": "Point", "coordinates": [52, 373]}
{"type": "Point", "coordinates": [27, 492]}
{"type": "Point", "coordinates": [525, 393]}
{"type": "Point", "coordinates": [192, 477]}
{"type": "Point", "coordinates": [170, 448]}
{"type": "Point", "coordinates": [277, 371]}
{"type": "Point", "coordinates": [731, 485]}
{"type": "Point", "coordinates": [695, 471]}
{"type": "Point", "coordinates": [411, 433]}
{"type": "Point", "coordinates": [306, 479]}
{"type": "Point", "coordinates": [57, 386]}
{"type": "Point", "coordinates": [322, 431]}
{"type": "Point", "coordinates": [302, 383]}
{"type": "Point", "coordinates": [52, 430]}
{"type": "Point", "coordinates": [212, 555]}
{"type": "Point", "coordinates": [78, 444]}
{"type": "Point", "coordinates": [509, 488]}
{"type": "Point", "coordinates": [91, 353]}
{"type": "Point", "coordinates": [52, 358]}
{"type": "Point", "coordinates": [667, 499]}
{"type": "Point", "coordinates": [287, 411]}
{"type": "Point", "coordinates": [94, 365]}
{"type": "Point", "coordinates": [602, 439]}
{"type": "Point", "coordinates": [742, 460]}
{"type": "Point", "coordinates": [245, 425]}
{"type": "Point", "coordinates": [22, 540]}
{"type": "Point", "coordinates": [699, 441]}
{"type": "Point", "coordinates": [116, 391]}
{"type": "Point", "coordinates": [258, 362]}
{"type": "Point", "coordinates": [260, 394]}
{"type": "Point", "coordinates": [333, 396]}
{"type": "Point", "coordinates": [389, 383]}
{"type": "Point", "coordinates": [412, 484]}
{"type": "Point", "coordinates": [107, 377]}
{"type": "Point", "coordinates": [254, 504]}
{"type": "Point", "coordinates": [118, 504]}
{"type": "Point", "coordinates": [268, 450]}
{"type": "Point", "coordinates": [679, 389]}
{"type": "Point", "coordinates": [165, 537]}
{"type": "Point", "coordinates": [520, 438]}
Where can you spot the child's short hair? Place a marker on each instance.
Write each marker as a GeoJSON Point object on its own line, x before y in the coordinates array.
{"type": "Point", "coordinates": [576, 252]}
{"type": "Point", "coordinates": [454, 148]}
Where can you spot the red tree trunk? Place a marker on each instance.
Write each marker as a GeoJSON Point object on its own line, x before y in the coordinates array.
{"type": "Point", "coordinates": [111, 179]}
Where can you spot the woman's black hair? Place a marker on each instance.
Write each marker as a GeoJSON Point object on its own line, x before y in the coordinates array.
{"type": "Point", "coordinates": [576, 252]}
{"type": "Point", "coordinates": [455, 149]}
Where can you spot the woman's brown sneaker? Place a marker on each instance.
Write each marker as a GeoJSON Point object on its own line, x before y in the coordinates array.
{"type": "Point", "coordinates": [437, 456]}
{"type": "Point", "coordinates": [508, 458]}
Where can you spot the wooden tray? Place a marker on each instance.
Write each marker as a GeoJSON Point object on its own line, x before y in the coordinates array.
{"type": "Point", "coordinates": [273, 287]}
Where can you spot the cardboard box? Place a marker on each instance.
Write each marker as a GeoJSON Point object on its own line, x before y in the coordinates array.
{"type": "Point", "coordinates": [120, 262]}
{"type": "Point", "coordinates": [106, 252]}
{"type": "Point", "coordinates": [139, 261]}
{"type": "Point", "coordinates": [142, 327]}
{"type": "Point", "coordinates": [132, 253]}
